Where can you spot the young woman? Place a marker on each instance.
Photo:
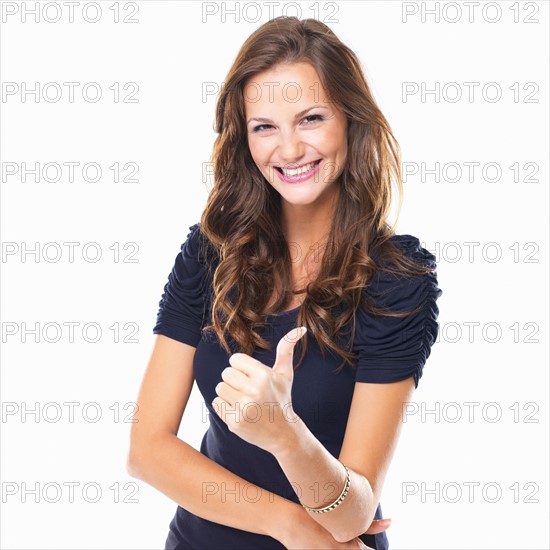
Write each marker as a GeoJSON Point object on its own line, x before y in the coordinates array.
{"type": "Point", "coordinates": [294, 234]}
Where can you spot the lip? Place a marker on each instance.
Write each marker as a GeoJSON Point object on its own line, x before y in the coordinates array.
{"type": "Point", "coordinates": [302, 177]}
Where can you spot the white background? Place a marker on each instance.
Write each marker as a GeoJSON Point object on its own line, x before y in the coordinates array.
{"type": "Point", "coordinates": [172, 51]}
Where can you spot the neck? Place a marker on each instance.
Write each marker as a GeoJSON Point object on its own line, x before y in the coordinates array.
{"type": "Point", "coordinates": [307, 226]}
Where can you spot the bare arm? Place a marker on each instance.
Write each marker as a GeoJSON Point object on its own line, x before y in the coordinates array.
{"type": "Point", "coordinates": [318, 479]}
{"type": "Point", "coordinates": [371, 436]}
{"type": "Point", "coordinates": [158, 457]}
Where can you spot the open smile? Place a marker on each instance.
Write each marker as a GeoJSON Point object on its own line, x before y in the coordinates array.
{"type": "Point", "coordinates": [299, 174]}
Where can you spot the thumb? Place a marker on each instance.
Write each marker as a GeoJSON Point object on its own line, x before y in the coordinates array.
{"type": "Point", "coordinates": [285, 351]}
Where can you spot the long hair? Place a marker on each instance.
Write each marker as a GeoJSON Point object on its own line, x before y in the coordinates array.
{"type": "Point", "coordinates": [242, 217]}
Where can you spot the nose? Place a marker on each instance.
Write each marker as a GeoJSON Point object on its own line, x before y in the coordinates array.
{"type": "Point", "coordinates": [291, 147]}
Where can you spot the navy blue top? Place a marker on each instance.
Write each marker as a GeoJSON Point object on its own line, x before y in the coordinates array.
{"type": "Point", "coordinates": [389, 349]}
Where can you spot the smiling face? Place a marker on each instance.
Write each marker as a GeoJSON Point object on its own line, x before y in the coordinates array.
{"type": "Point", "coordinates": [296, 136]}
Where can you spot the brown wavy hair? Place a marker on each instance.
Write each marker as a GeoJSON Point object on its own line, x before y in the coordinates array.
{"type": "Point", "coordinates": [243, 212]}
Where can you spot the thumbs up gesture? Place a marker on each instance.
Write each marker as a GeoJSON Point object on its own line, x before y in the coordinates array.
{"type": "Point", "coordinates": [255, 400]}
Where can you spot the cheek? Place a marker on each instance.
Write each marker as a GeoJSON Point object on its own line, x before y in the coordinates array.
{"type": "Point", "coordinates": [335, 147]}
{"type": "Point", "coordinates": [257, 151]}
{"type": "Point", "coordinates": [252, 149]}
{"type": "Point", "coordinates": [332, 142]}
{"type": "Point", "coordinates": [261, 155]}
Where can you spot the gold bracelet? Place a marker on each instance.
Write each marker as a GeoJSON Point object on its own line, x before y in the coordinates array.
{"type": "Point", "coordinates": [338, 501]}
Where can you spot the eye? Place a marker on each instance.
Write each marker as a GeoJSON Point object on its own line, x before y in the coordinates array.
{"type": "Point", "coordinates": [314, 118]}
{"type": "Point", "coordinates": [308, 119]}
{"type": "Point", "coordinates": [260, 127]}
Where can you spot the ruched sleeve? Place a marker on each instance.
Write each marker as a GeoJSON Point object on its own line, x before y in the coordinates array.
{"type": "Point", "coordinates": [391, 349]}
{"type": "Point", "coordinates": [182, 305]}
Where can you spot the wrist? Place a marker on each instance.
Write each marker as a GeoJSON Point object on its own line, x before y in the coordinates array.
{"type": "Point", "coordinates": [284, 528]}
{"type": "Point", "coordinates": [291, 437]}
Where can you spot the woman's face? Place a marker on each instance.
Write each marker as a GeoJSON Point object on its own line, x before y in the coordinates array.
{"type": "Point", "coordinates": [296, 136]}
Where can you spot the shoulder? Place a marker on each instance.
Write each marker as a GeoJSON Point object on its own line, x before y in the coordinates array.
{"type": "Point", "coordinates": [392, 348]}
{"type": "Point", "coordinates": [182, 305]}
{"type": "Point", "coordinates": [393, 288]}
{"type": "Point", "coordinates": [410, 246]}
{"type": "Point", "coordinates": [197, 247]}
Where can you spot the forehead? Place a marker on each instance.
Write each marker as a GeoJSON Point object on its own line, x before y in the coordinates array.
{"type": "Point", "coordinates": [285, 85]}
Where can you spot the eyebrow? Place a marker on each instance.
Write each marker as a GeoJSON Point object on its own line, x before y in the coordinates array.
{"type": "Point", "coordinates": [298, 115]}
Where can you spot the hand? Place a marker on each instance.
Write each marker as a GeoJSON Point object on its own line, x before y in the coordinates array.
{"type": "Point", "coordinates": [255, 400]}
{"type": "Point", "coordinates": [377, 526]}
{"type": "Point", "coordinates": [318, 538]}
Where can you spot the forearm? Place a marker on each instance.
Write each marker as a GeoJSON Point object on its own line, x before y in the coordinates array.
{"type": "Point", "coordinates": [318, 479]}
{"type": "Point", "coordinates": [209, 490]}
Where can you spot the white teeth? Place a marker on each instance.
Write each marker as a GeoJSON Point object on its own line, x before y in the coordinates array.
{"type": "Point", "coordinates": [298, 171]}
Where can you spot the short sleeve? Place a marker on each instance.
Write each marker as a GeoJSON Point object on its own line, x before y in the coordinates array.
{"type": "Point", "coordinates": [182, 305]}
{"type": "Point", "coordinates": [391, 349]}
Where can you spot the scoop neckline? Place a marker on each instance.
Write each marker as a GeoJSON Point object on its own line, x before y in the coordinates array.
{"type": "Point", "coordinates": [283, 318]}
{"type": "Point", "coordinates": [284, 312]}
